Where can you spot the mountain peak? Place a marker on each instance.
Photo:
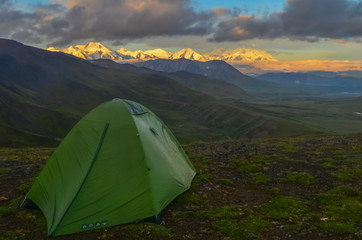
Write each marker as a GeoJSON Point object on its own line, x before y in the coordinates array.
{"type": "Point", "coordinates": [89, 51]}
{"type": "Point", "coordinates": [244, 54]}
{"type": "Point", "coordinates": [158, 53]}
{"type": "Point", "coordinates": [188, 53]}
{"type": "Point", "coordinates": [93, 46]}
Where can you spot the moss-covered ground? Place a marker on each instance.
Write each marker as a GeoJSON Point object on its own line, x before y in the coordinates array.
{"type": "Point", "coordinates": [306, 187]}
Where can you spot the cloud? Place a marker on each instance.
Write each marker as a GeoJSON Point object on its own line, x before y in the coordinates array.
{"type": "Point", "coordinates": [62, 22]}
{"type": "Point", "coordinates": [108, 20]}
{"type": "Point", "coordinates": [27, 25]}
{"type": "Point", "coordinates": [221, 11]}
{"type": "Point", "coordinates": [307, 20]}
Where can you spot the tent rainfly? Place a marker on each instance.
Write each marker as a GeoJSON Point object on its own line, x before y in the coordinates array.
{"type": "Point", "coordinates": [118, 164]}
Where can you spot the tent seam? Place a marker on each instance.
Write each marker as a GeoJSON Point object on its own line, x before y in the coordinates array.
{"type": "Point", "coordinates": [85, 178]}
{"type": "Point", "coordinates": [144, 153]}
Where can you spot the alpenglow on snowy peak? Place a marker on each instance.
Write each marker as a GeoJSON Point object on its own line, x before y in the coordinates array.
{"type": "Point", "coordinates": [158, 53]}
{"type": "Point", "coordinates": [89, 51]}
{"type": "Point", "coordinates": [96, 50]}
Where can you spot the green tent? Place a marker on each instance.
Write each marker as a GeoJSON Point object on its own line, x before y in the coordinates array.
{"type": "Point", "coordinates": [118, 164]}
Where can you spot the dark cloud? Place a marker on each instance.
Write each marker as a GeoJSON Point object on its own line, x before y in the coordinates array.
{"type": "Point", "coordinates": [307, 20]}
{"type": "Point", "coordinates": [117, 43]}
{"type": "Point", "coordinates": [30, 26]}
{"type": "Point", "coordinates": [4, 3]}
{"type": "Point", "coordinates": [62, 22]}
{"type": "Point", "coordinates": [107, 20]}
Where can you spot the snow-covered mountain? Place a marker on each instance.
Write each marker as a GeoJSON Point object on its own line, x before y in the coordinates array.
{"type": "Point", "coordinates": [158, 53]}
{"type": "Point", "coordinates": [95, 50]}
{"type": "Point", "coordinates": [89, 51]}
{"type": "Point", "coordinates": [247, 55]}
{"type": "Point", "coordinates": [188, 53]}
{"type": "Point", "coordinates": [127, 54]}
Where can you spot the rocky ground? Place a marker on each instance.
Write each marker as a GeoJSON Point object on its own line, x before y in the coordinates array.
{"type": "Point", "coordinates": [281, 188]}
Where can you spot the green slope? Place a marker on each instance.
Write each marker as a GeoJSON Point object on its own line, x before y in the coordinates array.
{"type": "Point", "coordinates": [208, 85]}
{"type": "Point", "coordinates": [45, 93]}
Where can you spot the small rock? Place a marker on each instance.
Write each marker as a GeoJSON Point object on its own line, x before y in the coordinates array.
{"type": "Point", "coordinates": [252, 235]}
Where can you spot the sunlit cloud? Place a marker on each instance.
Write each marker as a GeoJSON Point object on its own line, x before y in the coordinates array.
{"type": "Point", "coordinates": [63, 22]}
{"type": "Point", "coordinates": [297, 66]}
{"type": "Point", "coordinates": [221, 11]}
{"type": "Point", "coordinates": [307, 20]}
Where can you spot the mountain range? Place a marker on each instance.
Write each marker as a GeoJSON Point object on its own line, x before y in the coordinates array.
{"type": "Point", "coordinates": [43, 94]}
{"type": "Point", "coordinates": [96, 50]}
{"type": "Point", "coordinates": [212, 65]}
{"type": "Point", "coordinates": [216, 69]}
{"type": "Point", "coordinates": [246, 60]}
{"type": "Point", "coordinates": [198, 82]}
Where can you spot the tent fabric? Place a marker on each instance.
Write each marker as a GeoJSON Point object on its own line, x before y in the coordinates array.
{"type": "Point", "coordinates": [118, 164]}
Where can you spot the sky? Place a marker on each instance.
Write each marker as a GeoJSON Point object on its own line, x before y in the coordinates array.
{"type": "Point", "coordinates": [291, 30]}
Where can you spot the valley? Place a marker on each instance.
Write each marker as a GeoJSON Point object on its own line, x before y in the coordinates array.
{"type": "Point", "coordinates": [199, 101]}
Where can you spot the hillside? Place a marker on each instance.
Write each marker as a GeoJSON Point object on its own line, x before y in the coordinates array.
{"type": "Point", "coordinates": [216, 69]}
{"type": "Point", "coordinates": [208, 85]}
{"type": "Point", "coordinates": [261, 85]}
{"type": "Point", "coordinates": [276, 188]}
{"type": "Point", "coordinates": [44, 93]}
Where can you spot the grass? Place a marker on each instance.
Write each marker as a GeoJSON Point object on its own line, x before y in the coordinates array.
{"type": "Point", "coordinates": [338, 228]}
{"type": "Point", "coordinates": [347, 174]}
{"type": "Point", "coordinates": [287, 148]}
{"type": "Point", "coordinates": [244, 189]}
{"type": "Point", "coordinates": [191, 199]}
{"type": "Point", "coordinates": [147, 230]}
{"type": "Point", "coordinates": [27, 185]}
{"type": "Point", "coordinates": [286, 208]}
{"type": "Point", "coordinates": [342, 203]}
{"type": "Point", "coordinates": [4, 171]}
{"type": "Point", "coordinates": [274, 191]}
{"type": "Point", "coordinates": [251, 164]}
{"type": "Point", "coordinates": [17, 234]}
{"type": "Point", "coordinates": [225, 181]}
{"type": "Point", "coordinates": [236, 222]}
{"type": "Point", "coordinates": [327, 163]}
{"type": "Point", "coordinates": [254, 165]}
{"type": "Point", "coordinates": [225, 212]}
{"type": "Point", "coordinates": [249, 228]}
{"type": "Point", "coordinates": [259, 179]}
{"type": "Point", "coordinates": [300, 178]}
{"type": "Point", "coordinates": [5, 210]}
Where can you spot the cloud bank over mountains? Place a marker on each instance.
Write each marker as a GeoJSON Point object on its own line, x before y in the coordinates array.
{"type": "Point", "coordinates": [62, 22]}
